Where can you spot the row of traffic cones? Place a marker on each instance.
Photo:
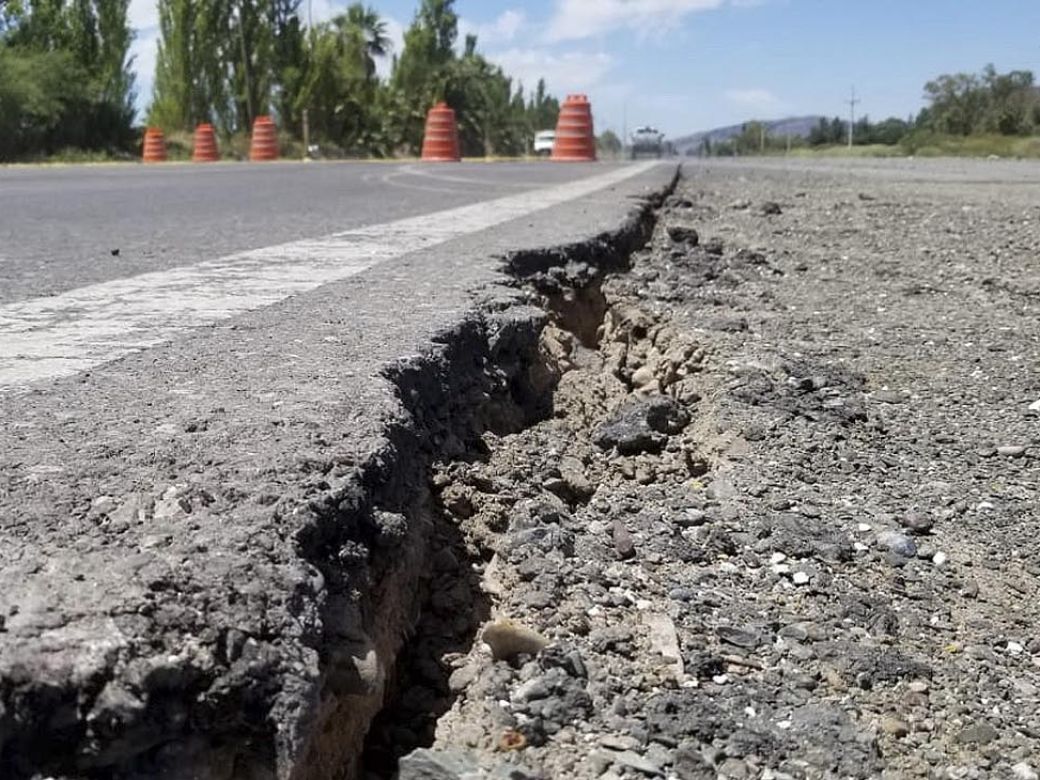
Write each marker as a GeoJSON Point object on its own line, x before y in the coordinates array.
{"type": "Point", "coordinates": [263, 145]}
{"type": "Point", "coordinates": [575, 137]}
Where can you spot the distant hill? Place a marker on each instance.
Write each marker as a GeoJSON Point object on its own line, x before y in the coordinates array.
{"type": "Point", "coordinates": [793, 126]}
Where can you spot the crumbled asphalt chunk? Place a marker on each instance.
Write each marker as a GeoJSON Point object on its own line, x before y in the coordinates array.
{"type": "Point", "coordinates": [439, 765]}
{"type": "Point", "coordinates": [681, 234]}
{"type": "Point", "coordinates": [642, 425]}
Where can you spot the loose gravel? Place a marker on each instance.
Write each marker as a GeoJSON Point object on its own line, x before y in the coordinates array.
{"type": "Point", "coordinates": [781, 521]}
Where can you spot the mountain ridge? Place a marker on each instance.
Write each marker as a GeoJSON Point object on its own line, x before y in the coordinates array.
{"type": "Point", "coordinates": [793, 126]}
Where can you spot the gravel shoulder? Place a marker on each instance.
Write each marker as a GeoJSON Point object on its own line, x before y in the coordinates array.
{"type": "Point", "coordinates": [781, 522]}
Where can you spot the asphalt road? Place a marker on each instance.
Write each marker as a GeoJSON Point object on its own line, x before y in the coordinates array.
{"type": "Point", "coordinates": [65, 227]}
{"type": "Point", "coordinates": [102, 262]}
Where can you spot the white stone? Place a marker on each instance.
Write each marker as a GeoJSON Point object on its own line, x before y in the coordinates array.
{"type": "Point", "coordinates": [664, 641]}
{"type": "Point", "coordinates": [1024, 771]}
{"type": "Point", "coordinates": [940, 558]}
{"type": "Point", "coordinates": [800, 578]}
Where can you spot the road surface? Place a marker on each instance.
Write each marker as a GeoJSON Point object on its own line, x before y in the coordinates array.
{"type": "Point", "coordinates": [101, 261]}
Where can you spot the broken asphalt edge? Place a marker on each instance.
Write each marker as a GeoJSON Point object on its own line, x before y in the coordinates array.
{"type": "Point", "coordinates": [297, 705]}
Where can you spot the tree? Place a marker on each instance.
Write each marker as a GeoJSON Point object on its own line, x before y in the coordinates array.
{"type": "Point", "coordinates": [87, 43]}
{"type": "Point", "coordinates": [288, 52]}
{"type": "Point", "coordinates": [420, 72]}
{"type": "Point", "coordinates": [544, 109]}
{"type": "Point", "coordinates": [364, 22]}
{"type": "Point", "coordinates": [346, 103]}
{"type": "Point", "coordinates": [990, 102]}
{"type": "Point", "coordinates": [609, 143]}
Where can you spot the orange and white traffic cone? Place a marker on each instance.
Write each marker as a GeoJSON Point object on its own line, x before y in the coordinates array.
{"type": "Point", "coordinates": [441, 139]}
{"type": "Point", "coordinates": [575, 135]}
{"type": "Point", "coordinates": [264, 143]}
{"type": "Point", "coordinates": [205, 146]}
{"type": "Point", "coordinates": [154, 146]}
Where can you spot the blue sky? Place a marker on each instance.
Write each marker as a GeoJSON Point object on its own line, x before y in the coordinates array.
{"type": "Point", "coordinates": [687, 65]}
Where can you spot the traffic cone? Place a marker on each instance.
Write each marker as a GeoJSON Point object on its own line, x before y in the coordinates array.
{"type": "Point", "coordinates": [575, 136]}
{"type": "Point", "coordinates": [441, 140]}
{"type": "Point", "coordinates": [154, 146]}
{"type": "Point", "coordinates": [264, 144]}
{"type": "Point", "coordinates": [205, 147]}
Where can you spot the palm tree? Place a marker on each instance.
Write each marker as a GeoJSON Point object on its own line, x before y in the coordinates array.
{"type": "Point", "coordinates": [364, 24]}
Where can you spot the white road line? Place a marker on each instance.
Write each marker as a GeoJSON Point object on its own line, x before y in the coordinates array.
{"type": "Point", "coordinates": [62, 335]}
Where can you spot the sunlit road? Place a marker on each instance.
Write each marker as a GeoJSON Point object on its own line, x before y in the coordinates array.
{"type": "Point", "coordinates": [65, 227]}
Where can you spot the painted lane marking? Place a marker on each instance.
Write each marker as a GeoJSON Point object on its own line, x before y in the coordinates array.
{"type": "Point", "coordinates": [63, 335]}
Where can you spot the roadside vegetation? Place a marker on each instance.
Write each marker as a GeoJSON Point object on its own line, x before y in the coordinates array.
{"type": "Point", "coordinates": [968, 114]}
{"type": "Point", "coordinates": [67, 91]}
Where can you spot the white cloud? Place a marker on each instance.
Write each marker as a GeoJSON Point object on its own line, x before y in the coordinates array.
{"type": "Point", "coordinates": [144, 50]}
{"type": "Point", "coordinates": [563, 72]}
{"type": "Point", "coordinates": [755, 99]}
{"type": "Point", "coordinates": [501, 31]}
{"type": "Point", "coordinates": [395, 32]}
{"type": "Point", "coordinates": [504, 29]}
{"type": "Point", "coordinates": [577, 19]}
{"type": "Point", "coordinates": [143, 14]}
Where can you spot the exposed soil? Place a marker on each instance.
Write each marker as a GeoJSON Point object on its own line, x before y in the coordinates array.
{"type": "Point", "coordinates": [781, 521]}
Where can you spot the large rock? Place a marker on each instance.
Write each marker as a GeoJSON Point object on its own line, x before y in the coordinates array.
{"type": "Point", "coordinates": [642, 425]}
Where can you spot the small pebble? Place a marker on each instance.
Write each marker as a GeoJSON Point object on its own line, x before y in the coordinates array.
{"type": "Point", "coordinates": [624, 544]}
{"type": "Point", "coordinates": [800, 578]}
{"type": "Point", "coordinates": [918, 523]}
{"type": "Point", "coordinates": [1024, 771]}
{"type": "Point", "coordinates": [895, 542]}
{"type": "Point", "coordinates": [1011, 451]}
{"type": "Point", "coordinates": [979, 734]}
{"type": "Point", "coordinates": [894, 726]}
{"type": "Point", "coordinates": [508, 640]}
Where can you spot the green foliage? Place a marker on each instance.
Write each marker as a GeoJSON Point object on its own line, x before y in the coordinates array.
{"type": "Point", "coordinates": [925, 143]}
{"type": "Point", "coordinates": [835, 132]}
{"type": "Point", "coordinates": [543, 110]}
{"type": "Point", "coordinates": [339, 89]}
{"type": "Point", "coordinates": [988, 102]}
{"type": "Point", "coordinates": [609, 143]}
{"type": "Point", "coordinates": [65, 80]}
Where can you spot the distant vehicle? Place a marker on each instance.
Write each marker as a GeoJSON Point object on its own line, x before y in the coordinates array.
{"type": "Point", "coordinates": [543, 142]}
{"type": "Point", "coordinates": [646, 141]}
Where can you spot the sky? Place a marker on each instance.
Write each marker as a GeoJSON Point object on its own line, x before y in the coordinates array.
{"type": "Point", "coordinates": [689, 65]}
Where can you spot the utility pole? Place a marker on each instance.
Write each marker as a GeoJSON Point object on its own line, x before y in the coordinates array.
{"type": "Point", "coordinates": [306, 116]}
{"type": "Point", "coordinates": [852, 114]}
{"type": "Point", "coordinates": [624, 126]}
